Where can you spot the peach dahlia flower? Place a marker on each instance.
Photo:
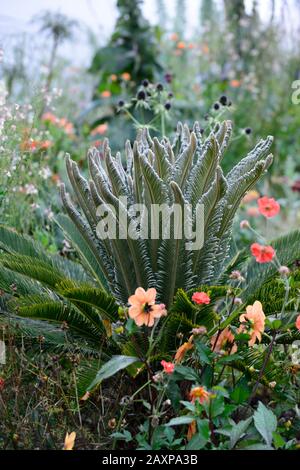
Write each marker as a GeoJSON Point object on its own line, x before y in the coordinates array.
{"type": "Point", "coordinates": [224, 342]}
{"type": "Point", "coordinates": [253, 322]}
{"type": "Point", "coordinates": [143, 309]}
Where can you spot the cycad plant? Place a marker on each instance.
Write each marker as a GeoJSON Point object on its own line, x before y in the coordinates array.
{"type": "Point", "coordinates": [186, 171]}
{"type": "Point", "coordinates": [78, 305]}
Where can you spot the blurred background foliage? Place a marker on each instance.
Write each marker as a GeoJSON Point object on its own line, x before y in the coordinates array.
{"type": "Point", "coordinates": [237, 64]}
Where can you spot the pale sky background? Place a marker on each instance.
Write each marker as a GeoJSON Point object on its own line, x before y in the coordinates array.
{"type": "Point", "coordinates": [100, 16]}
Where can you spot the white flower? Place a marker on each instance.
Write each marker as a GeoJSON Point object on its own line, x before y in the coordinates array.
{"type": "Point", "coordinates": [30, 189]}
{"type": "Point", "coordinates": [45, 173]}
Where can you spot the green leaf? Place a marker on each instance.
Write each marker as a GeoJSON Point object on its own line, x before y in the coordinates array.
{"type": "Point", "coordinates": [217, 406]}
{"type": "Point", "coordinates": [111, 367]}
{"type": "Point", "coordinates": [241, 392]}
{"type": "Point", "coordinates": [238, 431]}
{"type": "Point", "coordinates": [181, 420]}
{"type": "Point", "coordinates": [199, 440]}
{"type": "Point", "coordinates": [204, 352]}
{"type": "Point", "coordinates": [278, 440]}
{"type": "Point", "coordinates": [122, 436]}
{"type": "Point", "coordinates": [185, 373]}
{"type": "Point", "coordinates": [258, 447]}
{"type": "Point", "coordinates": [265, 422]}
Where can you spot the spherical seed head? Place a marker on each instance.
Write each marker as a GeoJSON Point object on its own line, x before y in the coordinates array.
{"type": "Point", "coordinates": [121, 103]}
{"type": "Point", "coordinates": [216, 106]}
{"type": "Point", "coordinates": [168, 105]}
{"type": "Point", "coordinates": [141, 95]}
{"type": "Point", "coordinates": [159, 87]}
{"type": "Point", "coordinates": [248, 130]}
{"type": "Point", "coordinates": [223, 100]}
{"type": "Point", "coordinates": [145, 82]}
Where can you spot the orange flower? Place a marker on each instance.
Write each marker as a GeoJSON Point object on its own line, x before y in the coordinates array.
{"type": "Point", "coordinates": [113, 77]}
{"type": "Point", "coordinates": [174, 37]}
{"type": "Point", "coordinates": [268, 207]}
{"type": "Point", "coordinates": [205, 48]}
{"type": "Point", "coordinates": [298, 323]}
{"type": "Point", "coordinates": [183, 349]}
{"type": "Point", "coordinates": [200, 394]}
{"type": "Point", "coordinates": [106, 94]}
{"type": "Point", "coordinates": [143, 309]}
{"type": "Point", "coordinates": [223, 342]}
{"type": "Point", "coordinates": [101, 129]}
{"type": "Point", "coordinates": [191, 45]}
{"type": "Point", "coordinates": [235, 83]}
{"type": "Point", "coordinates": [262, 253]}
{"type": "Point", "coordinates": [181, 45]}
{"type": "Point", "coordinates": [192, 429]}
{"type": "Point", "coordinates": [49, 117]}
{"type": "Point", "coordinates": [66, 125]}
{"type": "Point", "coordinates": [69, 441]}
{"type": "Point", "coordinates": [45, 144]}
{"type": "Point", "coordinates": [250, 196]}
{"type": "Point", "coordinates": [126, 76]}
{"type": "Point", "coordinates": [253, 322]}
{"type": "Point", "coordinates": [55, 178]}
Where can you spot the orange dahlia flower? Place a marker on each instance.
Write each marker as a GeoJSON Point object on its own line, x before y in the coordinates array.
{"type": "Point", "coordinates": [200, 394]}
{"type": "Point", "coordinates": [183, 349]}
